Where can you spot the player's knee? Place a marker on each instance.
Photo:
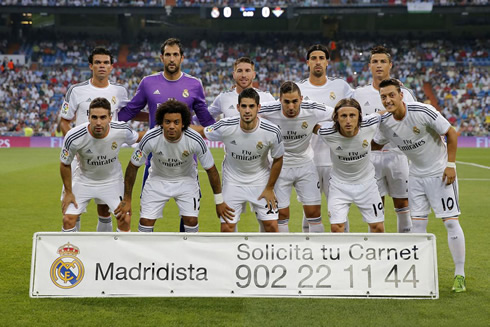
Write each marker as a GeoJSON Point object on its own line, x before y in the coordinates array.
{"type": "Point", "coordinates": [227, 228]}
{"type": "Point", "coordinates": [69, 221]}
{"type": "Point", "coordinates": [377, 227]}
{"type": "Point", "coordinates": [337, 228]}
{"type": "Point", "coordinates": [312, 211]}
{"type": "Point", "coordinates": [189, 221]}
{"type": "Point", "coordinates": [283, 213]}
{"type": "Point", "coordinates": [271, 226]}
{"type": "Point", "coordinates": [400, 202]}
{"type": "Point", "coordinates": [147, 222]}
{"type": "Point", "coordinates": [451, 224]}
{"type": "Point", "coordinates": [103, 210]}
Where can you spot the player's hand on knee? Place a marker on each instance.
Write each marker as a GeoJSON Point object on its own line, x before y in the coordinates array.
{"type": "Point", "coordinates": [224, 211]}
{"type": "Point", "coordinates": [449, 175]}
{"type": "Point", "coordinates": [123, 209]}
{"type": "Point", "coordinates": [67, 199]}
{"type": "Point", "coordinates": [270, 197]}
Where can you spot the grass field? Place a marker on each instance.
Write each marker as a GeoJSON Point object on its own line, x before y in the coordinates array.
{"type": "Point", "coordinates": [30, 189]}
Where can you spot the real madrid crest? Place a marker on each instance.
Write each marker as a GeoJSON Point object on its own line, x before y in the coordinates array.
{"type": "Point", "coordinates": [114, 146]}
{"type": "Point", "coordinates": [332, 96]}
{"type": "Point", "coordinates": [304, 125]}
{"type": "Point", "coordinates": [416, 130]}
{"type": "Point", "coordinates": [67, 271]}
{"type": "Point", "coordinates": [260, 145]}
{"type": "Point", "coordinates": [113, 100]}
{"type": "Point", "coordinates": [185, 154]}
{"type": "Point", "coordinates": [185, 94]}
{"type": "Point", "coordinates": [365, 144]}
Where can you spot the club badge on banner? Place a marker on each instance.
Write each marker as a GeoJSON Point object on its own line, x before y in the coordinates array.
{"type": "Point", "coordinates": [234, 265]}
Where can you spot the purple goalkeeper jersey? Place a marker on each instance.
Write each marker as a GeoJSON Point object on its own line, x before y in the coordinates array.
{"type": "Point", "coordinates": [156, 89]}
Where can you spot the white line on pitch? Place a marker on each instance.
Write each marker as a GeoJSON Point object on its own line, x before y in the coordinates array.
{"type": "Point", "coordinates": [474, 179]}
{"type": "Point", "coordinates": [472, 164]}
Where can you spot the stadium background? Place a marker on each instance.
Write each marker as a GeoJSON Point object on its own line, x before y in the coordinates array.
{"type": "Point", "coordinates": [444, 52]}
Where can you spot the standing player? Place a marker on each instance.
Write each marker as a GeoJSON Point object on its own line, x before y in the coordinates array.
{"type": "Point", "coordinates": [352, 176]}
{"type": "Point", "coordinates": [296, 119]}
{"type": "Point", "coordinates": [248, 139]}
{"type": "Point", "coordinates": [417, 130]}
{"type": "Point", "coordinates": [390, 164]}
{"type": "Point", "coordinates": [172, 83]}
{"type": "Point", "coordinates": [96, 145]}
{"type": "Point", "coordinates": [243, 75]}
{"type": "Point", "coordinates": [174, 171]}
{"type": "Point", "coordinates": [328, 91]}
{"type": "Point", "coordinates": [76, 106]}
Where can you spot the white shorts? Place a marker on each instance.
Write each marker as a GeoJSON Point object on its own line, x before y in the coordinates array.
{"type": "Point", "coordinates": [105, 193]}
{"type": "Point", "coordinates": [236, 197]}
{"type": "Point", "coordinates": [306, 182]}
{"type": "Point", "coordinates": [431, 192]}
{"type": "Point", "coordinates": [324, 176]}
{"type": "Point", "coordinates": [391, 171]}
{"type": "Point", "coordinates": [157, 192]}
{"type": "Point", "coordinates": [365, 196]}
{"type": "Point", "coordinates": [75, 171]}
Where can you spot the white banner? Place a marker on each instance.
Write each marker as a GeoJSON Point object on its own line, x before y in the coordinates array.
{"type": "Point", "coordinates": [234, 265]}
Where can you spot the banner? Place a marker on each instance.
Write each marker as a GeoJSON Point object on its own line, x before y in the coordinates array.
{"type": "Point", "coordinates": [234, 265]}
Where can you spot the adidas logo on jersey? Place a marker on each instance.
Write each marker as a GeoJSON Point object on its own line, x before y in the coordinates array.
{"type": "Point", "coordinates": [367, 103]}
{"type": "Point", "coordinates": [156, 92]}
{"type": "Point", "coordinates": [306, 98]}
{"type": "Point", "coordinates": [88, 151]}
{"type": "Point", "coordinates": [395, 135]}
{"type": "Point", "coordinates": [231, 107]}
{"type": "Point", "coordinates": [233, 142]}
{"type": "Point", "coordinates": [339, 148]}
{"type": "Point", "coordinates": [160, 153]}
{"type": "Point", "coordinates": [88, 100]}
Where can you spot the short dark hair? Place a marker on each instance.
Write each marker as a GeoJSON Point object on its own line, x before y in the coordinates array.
{"type": "Point", "coordinates": [172, 41]}
{"type": "Point", "coordinates": [173, 107]}
{"type": "Point", "coordinates": [380, 49]}
{"type": "Point", "coordinates": [289, 87]}
{"type": "Point", "coordinates": [317, 47]}
{"type": "Point", "coordinates": [246, 60]}
{"type": "Point", "coordinates": [249, 93]}
{"type": "Point", "coordinates": [100, 51]}
{"type": "Point", "coordinates": [100, 103]}
{"type": "Point", "coordinates": [347, 102]}
{"type": "Point", "coordinates": [391, 81]}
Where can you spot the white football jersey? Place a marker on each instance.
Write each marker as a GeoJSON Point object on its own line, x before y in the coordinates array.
{"type": "Point", "coordinates": [97, 158]}
{"type": "Point", "coordinates": [418, 136]}
{"type": "Point", "coordinates": [246, 161]}
{"type": "Point", "coordinates": [370, 101]}
{"type": "Point", "coordinates": [296, 132]}
{"type": "Point", "coordinates": [173, 161]}
{"type": "Point", "coordinates": [77, 100]}
{"type": "Point", "coordinates": [330, 94]}
{"type": "Point", "coordinates": [350, 155]}
{"type": "Point", "coordinates": [226, 103]}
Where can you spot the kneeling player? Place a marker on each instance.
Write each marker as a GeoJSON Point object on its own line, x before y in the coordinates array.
{"type": "Point", "coordinates": [352, 179]}
{"type": "Point", "coordinates": [174, 170]}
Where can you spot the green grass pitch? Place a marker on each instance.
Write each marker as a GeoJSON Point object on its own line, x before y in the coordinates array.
{"type": "Point", "coordinates": [30, 189]}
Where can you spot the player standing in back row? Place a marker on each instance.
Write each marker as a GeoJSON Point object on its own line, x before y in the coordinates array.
{"type": "Point", "coordinates": [318, 87]}
{"type": "Point", "coordinates": [391, 166]}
